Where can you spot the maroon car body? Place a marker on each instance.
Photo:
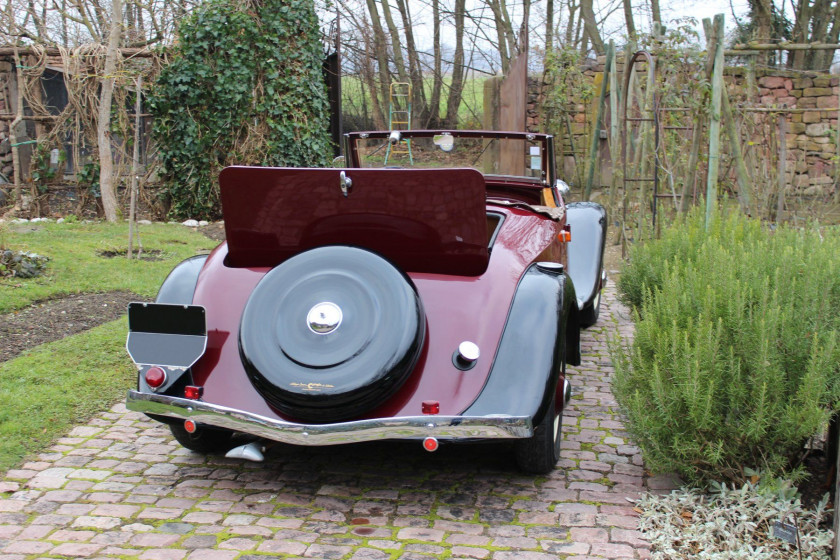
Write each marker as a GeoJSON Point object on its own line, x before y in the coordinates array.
{"type": "Point", "coordinates": [486, 258]}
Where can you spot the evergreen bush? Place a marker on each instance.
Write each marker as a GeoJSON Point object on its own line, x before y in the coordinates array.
{"type": "Point", "coordinates": [244, 86]}
{"type": "Point", "coordinates": [735, 358]}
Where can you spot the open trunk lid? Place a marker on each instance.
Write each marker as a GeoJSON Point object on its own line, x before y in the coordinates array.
{"type": "Point", "coordinates": [423, 220]}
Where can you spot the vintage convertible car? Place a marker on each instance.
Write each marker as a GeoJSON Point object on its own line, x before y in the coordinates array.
{"type": "Point", "coordinates": [433, 290]}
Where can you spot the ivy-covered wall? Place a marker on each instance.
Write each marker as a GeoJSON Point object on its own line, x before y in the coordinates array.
{"type": "Point", "coordinates": [243, 87]}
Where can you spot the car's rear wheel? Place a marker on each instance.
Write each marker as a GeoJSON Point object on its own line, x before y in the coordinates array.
{"type": "Point", "coordinates": [539, 453]}
{"type": "Point", "coordinates": [204, 439]}
{"type": "Point", "coordinates": [590, 313]}
{"type": "Point", "coordinates": [331, 333]}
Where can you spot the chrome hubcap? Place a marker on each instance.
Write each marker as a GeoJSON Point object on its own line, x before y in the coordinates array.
{"type": "Point", "coordinates": [324, 318]}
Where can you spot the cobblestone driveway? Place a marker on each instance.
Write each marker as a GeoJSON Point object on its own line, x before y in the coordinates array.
{"type": "Point", "coordinates": [120, 487]}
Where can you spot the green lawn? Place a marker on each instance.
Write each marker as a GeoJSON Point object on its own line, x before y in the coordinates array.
{"type": "Point", "coordinates": [47, 390]}
{"type": "Point", "coordinates": [44, 392]}
{"type": "Point", "coordinates": [76, 265]}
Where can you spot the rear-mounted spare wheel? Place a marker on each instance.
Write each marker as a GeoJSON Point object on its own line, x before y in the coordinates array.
{"type": "Point", "coordinates": [330, 333]}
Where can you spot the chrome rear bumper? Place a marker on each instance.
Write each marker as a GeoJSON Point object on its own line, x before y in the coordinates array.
{"type": "Point", "coordinates": [409, 427]}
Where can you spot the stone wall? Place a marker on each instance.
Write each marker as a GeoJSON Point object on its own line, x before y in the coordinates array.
{"type": "Point", "coordinates": [809, 104]}
{"type": "Point", "coordinates": [811, 137]}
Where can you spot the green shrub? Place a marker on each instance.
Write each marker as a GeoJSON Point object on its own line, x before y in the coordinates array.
{"type": "Point", "coordinates": [735, 357]}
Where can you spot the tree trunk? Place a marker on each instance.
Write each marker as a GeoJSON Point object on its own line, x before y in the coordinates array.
{"type": "Point", "coordinates": [522, 39]}
{"type": "Point", "coordinates": [763, 15]}
{"type": "Point", "coordinates": [591, 26]}
{"type": "Point", "coordinates": [570, 26]}
{"type": "Point", "coordinates": [368, 76]}
{"type": "Point", "coordinates": [437, 83]}
{"type": "Point", "coordinates": [504, 53]}
{"type": "Point", "coordinates": [418, 92]}
{"type": "Point", "coordinates": [508, 49]}
{"type": "Point", "coordinates": [453, 101]}
{"type": "Point", "coordinates": [381, 50]}
{"type": "Point", "coordinates": [549, 25]}
{"type": "Point", "coordinates": [821, 16]}
{"type": "Point", "coordinates": [655, 13]}
{"type": "Point", "coordinates": [628, 19]}
{"type": "Point", "coordinates": [103, 125]}
{"type": "Point", "coordinates": [833, 35]}
{"type": "Point", "coordinates": [396, 42]}
{"type": "Point", "coordinates": [802, 26]}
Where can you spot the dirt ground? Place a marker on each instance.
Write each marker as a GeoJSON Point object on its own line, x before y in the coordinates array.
{"type": "Point", "coordinates": [55, 319]}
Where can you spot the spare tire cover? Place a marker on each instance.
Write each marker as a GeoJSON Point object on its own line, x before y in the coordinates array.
{"type": "Point", "coordinates": [330, 333]}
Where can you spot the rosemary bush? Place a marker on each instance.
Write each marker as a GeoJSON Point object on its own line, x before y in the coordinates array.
{"type": "Point", "coordinates": [735, 358]}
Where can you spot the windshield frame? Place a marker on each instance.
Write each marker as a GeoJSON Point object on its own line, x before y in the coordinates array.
{"type": "Point", "coordinates": [351, 140]}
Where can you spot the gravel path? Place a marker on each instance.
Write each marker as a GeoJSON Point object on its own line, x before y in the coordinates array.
{"type": "Point", "coordinates": [120, 487]}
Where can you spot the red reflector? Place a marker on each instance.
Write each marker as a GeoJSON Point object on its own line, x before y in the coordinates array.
{"type": "Point", "coordinates": [155, 377]}
{"type": "Point", "coordinates": [189, 425]}
{"type": "Point", "coordinates": [566, 234]}
{"type": "Point", "coordinates": [430, 407]}
{"type": "Point", "coordinates": [430, 444]}
{"type": "Point", "coordinates": [193, 392]}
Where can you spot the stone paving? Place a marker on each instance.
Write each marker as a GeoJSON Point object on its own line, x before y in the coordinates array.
{"type": "Point", "coordinates": [120, 487]}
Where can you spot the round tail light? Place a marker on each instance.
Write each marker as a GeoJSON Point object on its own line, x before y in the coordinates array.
{"type": "Point", "coordinates": [155, 377]}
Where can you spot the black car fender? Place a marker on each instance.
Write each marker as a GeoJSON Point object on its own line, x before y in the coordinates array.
{"type": "Point", "coordinates": [179, 286]}
{"type": "Point", "coordinates": [588, 221]}
{"type": "Point", "coordinates": [541, 326]}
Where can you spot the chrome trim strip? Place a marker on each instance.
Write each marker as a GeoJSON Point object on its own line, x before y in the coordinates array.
{"type": "Point", "coordinates": [408, 427]}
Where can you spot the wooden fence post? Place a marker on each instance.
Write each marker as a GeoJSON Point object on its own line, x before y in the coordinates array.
{"type": "Point", "coordinates": [615, 149]}
{"type": "Point", "coordinates": [744, 185]}
{"type": "Point", "coordinates": [697, 128]}
{"type": "Point", "coordinates": [714, 125]}
{"type": "Point", "coordinates": [135, 163]}
{"type": "Point", "coordinates": [14, 139]}
{"type": "Point", "coordinates": [780, 201]}
{"type": "Point", "coordinates": [596, 129]}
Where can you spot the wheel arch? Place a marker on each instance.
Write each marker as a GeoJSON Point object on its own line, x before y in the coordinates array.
{"type": "Point", "coordinates": [588, 221]}
{"type": "Point", "coordinates": [179, 286]}
{"type": "Point", "coordinates": [535, 329]}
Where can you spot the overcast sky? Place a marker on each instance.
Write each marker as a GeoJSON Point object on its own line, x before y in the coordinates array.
{"type": "Point", "coordinates": [678, 9]}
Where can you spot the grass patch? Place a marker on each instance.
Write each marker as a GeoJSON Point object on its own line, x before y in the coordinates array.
{"type": "Point", "coordinates": [77, 265]}
{"type": "Point", "coordinates": [46, 391]}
